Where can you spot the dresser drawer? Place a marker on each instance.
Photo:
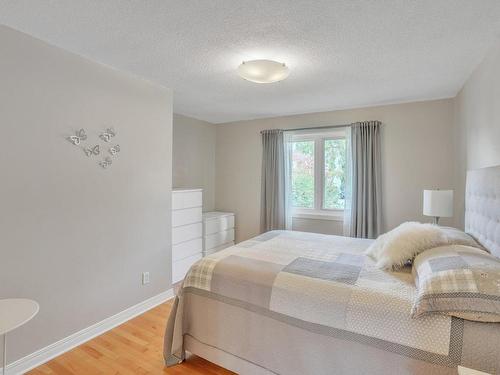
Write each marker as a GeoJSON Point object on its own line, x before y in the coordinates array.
{"type": "Point", "coordinates": [187, 249]}
{"type": "Point", "coordinates": [186, 199]}
{"type": "Point", "coordinates": [218, 248]}
{"type": "Point", "coordinates": [219, 224]}
{"type": "Point", "coordinates": [186, 216]}
{"type": "Point", "coordinates": [181, 267]}
{"type": "Point", "coordinates": [217, 239]}
{"type": "Point", "coordinates": [186, 233]}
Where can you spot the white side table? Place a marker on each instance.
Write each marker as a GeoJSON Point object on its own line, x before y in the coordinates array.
{"type": "Point", "coordinates": [468, 371]}
{"type": "Point", "coordinates": [14, 312]}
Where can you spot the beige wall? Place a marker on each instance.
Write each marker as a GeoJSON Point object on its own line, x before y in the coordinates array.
{"type": "Point", "coordinates": [74, 237]}
{"type": "Point", "coordinates": [477, 116]}
{"type": "Point", "coordinates": [194, 157]}
{"type": "Point", "coordinates": [417, 152]}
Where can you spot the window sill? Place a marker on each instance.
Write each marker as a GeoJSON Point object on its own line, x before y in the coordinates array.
{"type": "Point", "coordinates": [335, 216]}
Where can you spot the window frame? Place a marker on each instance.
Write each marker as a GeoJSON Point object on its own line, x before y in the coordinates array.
{"type": "Point", "coordinates": [318, 212]}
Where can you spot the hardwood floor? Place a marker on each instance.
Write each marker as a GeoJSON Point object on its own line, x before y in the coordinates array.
{"type": "Point", "coordinates": [134, 347]}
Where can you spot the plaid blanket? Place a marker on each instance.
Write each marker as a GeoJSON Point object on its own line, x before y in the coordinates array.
{"type": "Point", "coordinates": [327, 285]}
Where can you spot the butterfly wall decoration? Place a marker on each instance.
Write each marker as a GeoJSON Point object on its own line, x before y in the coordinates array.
{"type": "Point", "coordinates": [95, 150]}
{"type": "Point", "coordinates": [89, 151]}
{"type": "Point", "coordinates": [106, 162]}
{"type": "Point", "coordinates": [114, 150]}
{"type": "Point", "coordinates": [79, 136]}
{"type": "Point", "coordinates": [107, 135]}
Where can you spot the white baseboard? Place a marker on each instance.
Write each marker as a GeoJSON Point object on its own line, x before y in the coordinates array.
{"type": "Point", "coordinates": [53, 350]}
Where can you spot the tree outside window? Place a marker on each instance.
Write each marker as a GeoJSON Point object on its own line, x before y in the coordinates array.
{"type": "Point", "coordinates": [318, 177]}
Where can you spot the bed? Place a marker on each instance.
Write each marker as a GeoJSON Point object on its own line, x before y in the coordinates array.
{"type": "Point", "coordinates": [302, 303]}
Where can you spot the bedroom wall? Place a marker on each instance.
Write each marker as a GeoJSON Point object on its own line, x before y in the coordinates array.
{"type": "Point", "coordinates": [417, 153]}
{"type": "Point", "coordinates": [73, 236]}
{"type": "Point", "coordinates": [194, 157]}
{"type": "Point", "coordinates": [477, 117]}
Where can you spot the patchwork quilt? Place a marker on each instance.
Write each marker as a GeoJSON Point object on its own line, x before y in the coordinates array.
{"type": "Point", "coordinates": [459, 281]}
{"type": "Point", "coordinates": [325, 284]}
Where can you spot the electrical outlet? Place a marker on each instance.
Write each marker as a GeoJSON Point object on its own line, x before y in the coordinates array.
{"type": "Point", "coordinates": [145, 278]}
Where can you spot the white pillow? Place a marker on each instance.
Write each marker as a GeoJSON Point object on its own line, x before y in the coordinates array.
{"type": "Point", "coordinates": [394, 249]}
{"type": "Point", "coordinates": [377, 246]}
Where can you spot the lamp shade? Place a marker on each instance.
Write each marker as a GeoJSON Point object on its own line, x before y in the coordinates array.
{"type": "Point", "coordinates": [438, 203]}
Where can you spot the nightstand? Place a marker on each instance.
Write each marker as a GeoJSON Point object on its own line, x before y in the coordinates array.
{"type": "Point", "coordinates": [14, 312]}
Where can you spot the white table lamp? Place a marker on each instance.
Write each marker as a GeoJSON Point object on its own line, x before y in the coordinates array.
{"type": "Point", "coordinates": [438, 203]}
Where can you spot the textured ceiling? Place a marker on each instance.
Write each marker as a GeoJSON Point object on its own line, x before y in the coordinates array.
{"type": "Point", "coordinates": [342, 54]}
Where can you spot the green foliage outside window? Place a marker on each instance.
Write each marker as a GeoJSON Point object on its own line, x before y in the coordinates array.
{"type": "Point", "coordinates": [334, 174]}
{"type": "Point", "coordinates": [335, 166]}
{"type": "Point", "coordinates": [303, 174]}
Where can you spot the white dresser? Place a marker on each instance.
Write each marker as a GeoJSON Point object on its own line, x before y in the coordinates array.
{"type": "Point", "coordinates": [218, 231]}
{"type": "Point", "coordinates": [187, 243]}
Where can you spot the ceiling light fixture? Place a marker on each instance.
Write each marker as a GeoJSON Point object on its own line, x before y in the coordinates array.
{"type": "Point", "coordinates": [263, 71]}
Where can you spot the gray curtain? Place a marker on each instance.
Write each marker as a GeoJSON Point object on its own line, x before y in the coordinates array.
{"type": "Point", "coordinates": [366, 214]}
{"type": "Point", "coordinates": [273, 207]}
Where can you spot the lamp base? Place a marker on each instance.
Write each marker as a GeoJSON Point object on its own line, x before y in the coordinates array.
{"type": "Point", "coordinates": [436, 220]}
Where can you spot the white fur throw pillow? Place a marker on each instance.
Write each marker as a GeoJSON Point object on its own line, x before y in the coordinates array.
{"type": "Point", "coordinates": [394, 249]}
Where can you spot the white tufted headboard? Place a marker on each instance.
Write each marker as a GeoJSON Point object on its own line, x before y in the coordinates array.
{"type": "Point", "coordinates": [482, 207]}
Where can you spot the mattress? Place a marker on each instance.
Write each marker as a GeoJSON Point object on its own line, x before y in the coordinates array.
{"type": "Point", "coordinates": [295, 303]}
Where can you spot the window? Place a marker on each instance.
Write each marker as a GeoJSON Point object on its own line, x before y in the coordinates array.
{"type": "Point", "coordinates": [318, 175]}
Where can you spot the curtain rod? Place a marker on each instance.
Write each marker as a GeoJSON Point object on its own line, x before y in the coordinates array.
{"type": "Point", "coordinates": [318, 127]}
{"type": "Point", "coordinates": [321, 127]}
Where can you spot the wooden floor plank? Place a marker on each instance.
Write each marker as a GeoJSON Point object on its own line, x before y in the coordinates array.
{"type": "Point", "coordinates": [133, 348]}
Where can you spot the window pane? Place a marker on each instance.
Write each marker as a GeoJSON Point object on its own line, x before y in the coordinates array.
{"type": "Point", "coordinates": [303, 174]}
{"type": "Point", "coordinates": [335, 164]}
